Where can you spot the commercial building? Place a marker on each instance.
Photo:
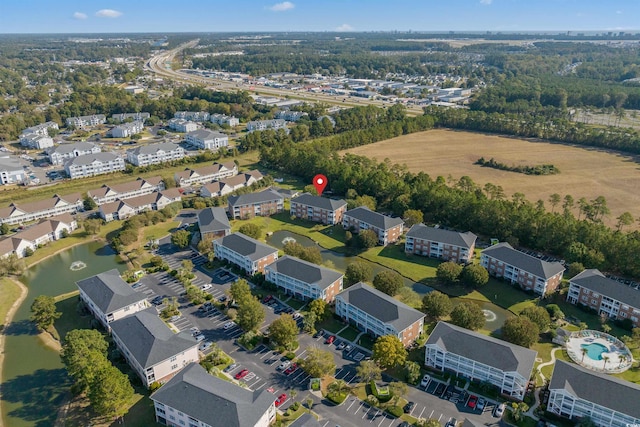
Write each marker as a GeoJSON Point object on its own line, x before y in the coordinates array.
{"type": "Point", "coordinates": [378, 314]}
{"type": "Point", "coordinates": [479, 357]}
{"type": "Point", "coordinates": [206, 139]}
{"type": "Point", "coordinates": [576, 392]}
{"type": "Point", "coordinates": [318, 209]}
{"type": "Point", "coordinates": [153, 154]}
{"type": "Point", "coordinates": [249, 254]}
{"type": "Point", "coordinates": [154, 352]}
{"type": "Point", "coordinates": [93, 164]}
{"type": "Point", "coordinates": [386, 228]}
{"type": "Point", "coordinates": [263, 203]}
{"type": "Point", "coordinates": [213, 223]}
{"type": "Point", "coordinates": [439, 243]}
{"type": "Point", "coordinates": [196, 399]}
{"type": "Point", "coordinates": [110, 298]}
{"type": "Point", "coordinates": [304, 280]}
{"type": "Point", "coordinates": [529, 272]}
{"type": "Point", "coordinates": [63, 152]}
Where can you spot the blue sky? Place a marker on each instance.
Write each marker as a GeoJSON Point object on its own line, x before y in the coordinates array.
{"type": "Point", "coordinates": [90, 16]}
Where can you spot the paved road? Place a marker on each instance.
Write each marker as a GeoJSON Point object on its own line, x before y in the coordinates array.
{"type": "Point", "coordinates": [263, 363]}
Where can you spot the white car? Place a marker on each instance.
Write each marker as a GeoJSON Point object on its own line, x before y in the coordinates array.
{"type": "Point", "coordinates": [229, 325]}
{"type": "Point", "coordinates": [205, 345]}
{"type": "Point", "coordinates": [206, 287]}
{"type": "Point", "coordinates": [499, 410]}
{"type": "Point", "coordinates": [425, 380]}
{"type": "Point", "coordinates": [199, 338]}
{"type": "Point", "coordinates": [195, 331]}
{"type": "Point", "coordinates": [284, 365]}
{"type": "Point", "coordinates": [481, 404]}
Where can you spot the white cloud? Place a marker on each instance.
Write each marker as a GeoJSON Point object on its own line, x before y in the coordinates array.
{"type": "Point", "coordinates": [79, 15]}
{"type": "Point", "coordinates": [281, 7]}
{"type": "Point", "coordinates": [486, 2]}
{"type": "Point", "coordinates": [108, 13]}
{"type": "Point", "coordinates": [344, 27]}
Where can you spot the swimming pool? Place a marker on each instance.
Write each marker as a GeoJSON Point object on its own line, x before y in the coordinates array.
{"type": "Point", "coordinates": [595, 350]}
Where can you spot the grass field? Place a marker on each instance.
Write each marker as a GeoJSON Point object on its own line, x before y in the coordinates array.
{"type": "Point", "coordinates": [9, 293]}
{"type": "Point", "coordinates": [584, 172]}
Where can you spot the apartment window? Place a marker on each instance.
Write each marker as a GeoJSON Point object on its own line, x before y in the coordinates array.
{"type": "Point", "coordinates": [173, 359]}
{"type": "Point", "coordinates": [174, 367]}
{"type": "Point", "coordinates": [594, 301]}
{"type": "Point", "coordinates": [623, 314]}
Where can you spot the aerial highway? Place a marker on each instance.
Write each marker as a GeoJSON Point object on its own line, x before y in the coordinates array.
{"type": "Point", "coordinates": [161, 65]}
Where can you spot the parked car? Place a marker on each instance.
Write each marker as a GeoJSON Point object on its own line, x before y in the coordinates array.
{"type": "Point", "coordinates": [473, 400]}
{"type": "Point", "coordinates": [425, 381]}
{"type": "Point", "coordinates": [481, 404]}
{"type": "Point", "coordinates": [452, 423]}
{"type": "Point", "coordinates": [231, 367]}
{"type": "Point", "coordinates": [230, 324]}
{"type": "Point", "coordinates": [205, 345]}
{"type": "Point", "coordinates": [267, 298]}
{"type": "Point", "coordinates": [136, 285]}
{"type": "Point", "coordinates": [240, 375]}
{"type": "Point", "coordinates": [284, 365]}
{"type": "Point", "coordinates": [199, 337]}
{"type": "Point", "coordinates": [194, 331]}
{"type": "Point", "coordinates": [281, 399]}
{"type": "Point", "coordinates": [291, 369]}
{"type": "Point", "coordinates": [206, 286]}
{"type": "Point", "coordinates": [157, 300]}
{"type": "Point", "coordinates": [409, 407]}
{"type": "Point", "coordinates": [223, 298]}
{"type": "Point", "coordinates": [330, 339]}
{"type": "Point", "coordinates": [348, 348]}
{"type": "Point", "coordinates": [499, 410]}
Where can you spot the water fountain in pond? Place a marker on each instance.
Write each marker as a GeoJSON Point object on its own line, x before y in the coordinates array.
{"type": "Point", "coordinates": [287, 240]}
{"type": "Point", "coordinates": [489, 315]}
{"type": "Point", "coordinates": [77, 265]}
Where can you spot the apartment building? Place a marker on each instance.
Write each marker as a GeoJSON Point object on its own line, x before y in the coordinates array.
{"type": "Point", "coordinates": [41, 129]}
{"type": "Point", "coordinates": [249, 254]}
{"type": "Point", "coordinates": [386, 228]}
{"type": "Point", "coordinates": [576, 392]}
{"type": "Point", "coordinates": [223, 119]}
{"type": "Point", "coordinates": [154, 352]}
{"type": "Point", "coordinates": [304, 280]}
{"type": "Point", "coordinates": [136, 117]}
{"type": "Point", "coordinates": [93, 164]}
{"type": "Point", "coordinates": [47, 230]}
{"type": "Point", "coordinates": [318, 209]}
{"type": "Point", "coordinates": [123, 209]}
{"type": "Point", "coordinates": [153, 154]}
{"type": "Point", "coordinates": [126, 190]}
{"type": "Point", "coordinates": [290, 116]}
{"type": "Point", "coordinates": [259, 125]}
{"type": "Point", "coordinates": [195, 398]}
{"type": "Point", "coordinates": [205, 174]}
{"type": "Point", "coordinates": [125, 130]}
{"type": "Point", "coordinates": [608, 297]}
{"type": "Point", "coordinates": [213, 223]}
{"type": "Point", "coordinates": [63, 152]}
{"type": "Point", "coordinates": [378, 314]}
{"type": "Point", "coordinates": [480, 357]}
{"type": "Point", "coordinates": [27, 212]}
{"type": "Point", "coordinates": [182, 125]}
{"type": "Point", "coordinates": [194, 116]}
{"type": "Point", "coordinates": [206, 139]}
{"type": "Point", "coordinates": [529, 272]}
{"type": "Point", "coordinates": [439, 243]}
{"type": "Point", "coordinates": [109, 298]}
{"type": "Point", "coordinates": [263, 203]}
{"type": "Point", "coordinates": [11, 171]}
{"type": "Point", "coordinates": [36, 141]}
{"type": "Point", "coordinates": [82, 122]}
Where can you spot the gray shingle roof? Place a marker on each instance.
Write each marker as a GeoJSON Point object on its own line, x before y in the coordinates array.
{"type": "Point", "coordinates": [463, 240]}
{"type": "Point", "coordinates": [483, 349]}
{"type": "Point", "coordinates": [246, 246]}
{"type": "Point", "coordinates": [149, 339]}
{"type": "Point", "coordinates": [213, 400]}
{"type": "Point", "coordinates": [376, 219]}
{"type": "Point", "coordinates": [601, 389]}
{"type": "Point", "coordinates": [319, 202]}
{"type": "Point", "coordinates": [154, 148]}
{"type": "Point", "coordinates": [381, 306]}
{"type": "Point", "coordinates": [68, 148]}
{"type": "Point", "coordinates": [267, 195]}
{"type": "Point", "coordinates": [211, 220]}
{"type": "Point", "coordinates": [109, 292]}
{"type": "Point", "coordinates": [206, 134]}
{"type": "Point", "coordinates": [90, 158]}
{"type": "Point", "coordinates": [505, 252]}
{"type": "Point", "coordinates": [305, 271]}
{"type": "Point", "coordinates": [596, 281]}
{"type": "Point", "coordinates": [306, 420]}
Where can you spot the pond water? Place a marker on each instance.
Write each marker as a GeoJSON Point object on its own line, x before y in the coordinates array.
{"type": "Point", "coordinates": [34, 379]}
{"type": "Point", "coordinates": [494, 315]}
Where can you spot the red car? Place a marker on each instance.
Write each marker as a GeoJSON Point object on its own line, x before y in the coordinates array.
{"type": "Point", "coordinates": [267, 298]}
{"type": "Point", "coordinates": [330, 339]}
{"type": "Point", "coordinates": [281, 399]}
{"type": "Point", "coordinates": [291, 369]}
{"type": "Point", "coordinates": [240, 375]}
{"type": "Point", "coordinates": [473, 400]}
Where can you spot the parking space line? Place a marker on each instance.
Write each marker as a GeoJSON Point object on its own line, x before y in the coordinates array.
{"type": "Point", "coordinates": [374, 416]}
{"type": "Point", "coordinates": [365, 414]}
{"type": "Point", "coordinates": [382, 420]}
{"type": "Point", "coordinates": [352, 379]}
{"type": "Point", "coordinates": [421, 412]}
{"type": "Point", "coordinates": [352, 402]}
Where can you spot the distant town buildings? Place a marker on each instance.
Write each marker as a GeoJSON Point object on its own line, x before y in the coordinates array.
{"type": "Point", "coordinates": [194, 116]}
{"type": "Point", "coordinates": [223, 119]}
{"type": "Point", "coordinates": [136, 117]}
{"type": "Point", "coordinates": [266, 124]}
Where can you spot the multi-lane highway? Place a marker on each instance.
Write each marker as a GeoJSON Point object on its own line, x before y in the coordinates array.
{"type": "Point", "coordinates": [161, 65]}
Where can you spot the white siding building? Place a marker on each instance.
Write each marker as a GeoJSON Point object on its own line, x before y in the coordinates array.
{"type": "Point", "coordinates": [136, 117]}
{"type": "Point", "coordinates": [59, 154]}
{"type": "Point", "coordinates": [154, 352]}
{"type": "Point", "coordinates": [32, 211]}
{"type": "Point", "coordinates": [125, 130]}
{"type": "Point", "coordinates": [194, 116]}
{"type": "Point", "coordinates": [155, 153]}
{"type": "Point", "coordinates": [93, 164]}
{"type": "Point", "coordinates": [11, 171]}
{"type": "Point", "coordinates": [223, 119]}
{"type": "Point", "coordinates": [36, 141]}
{"type": "Point", "coordinates": [258, 125]}
{"type": "Point", "coordinates": [182, 125]}
{"type": "Point", "coordinates": [82, 122]}
{"type": "Point", "coordinates": [109, 297]}
{"type": "Point", "coordinates": [206, 139]}
{"type": "Point", "coordinates": [479, 357]}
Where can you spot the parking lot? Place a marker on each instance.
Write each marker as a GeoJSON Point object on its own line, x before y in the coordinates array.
{"type": "Point", "coordinates": [263, 368]}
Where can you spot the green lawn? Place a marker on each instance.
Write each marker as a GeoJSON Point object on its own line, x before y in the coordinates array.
{"type": "Point", "coordinates": [158, 230]}
{"type": "Point", "coordinates": [417, 268]}
{"type": "Point", "coordinates": [9, 293]}
{"type": "Point", "coordinates": [70, 319]}
{"type": "Point", "coordinates": [349, 334]}
{"type": "Point", "coordinates": [366, 341]}
{"type": "Point", "coordinates": [330, 324]}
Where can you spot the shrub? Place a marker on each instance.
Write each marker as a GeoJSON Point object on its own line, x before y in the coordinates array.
{"type": "Point", "coordinates": [381, 393]}
{"type": "Point", "coordinates": [290, 356]}
{"type": "Point", "coordinates": [396, 411]}
{"type": "Point", "coordinates": [295, 406]}
{"type": "Point", "coordinates": [338, 398]}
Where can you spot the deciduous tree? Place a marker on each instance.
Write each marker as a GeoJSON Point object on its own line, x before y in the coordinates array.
{"type": "Point", "coordinates": [250, 314]}
{"type": "Point", "coordinates": [357, 272]}
{"type": "Point", "coordinates": [283, 331]}
{"type": "Point", "coordinates": [474, 275]}
{"type": "Point", "coordinates": [468, 315]}
{"type": "Point", "coordinates": [448, 272]}
{"type": "Point", "coordinates": [110, 393]}
{"type": "Point", "coordinates": [181, 238]}
{"type": "Point", "coordinates": [389, 352]}
{"type": "Point", "coordinates": [368, 370]}
{"type": "Point", "coordinates": [240, 290]}
{"type": "Point", "coordinates": [252, 230]}
{"type": "Point", "coordinates": [318, 362]}
{"type": "Point", "coordinates": [389, 282]}
{"type": "Point", "coordinates": [437, 305]}
{"type": "Point", "coordinates": [521, 331]}
{"type": "Point", "coordinates": [538, 315]}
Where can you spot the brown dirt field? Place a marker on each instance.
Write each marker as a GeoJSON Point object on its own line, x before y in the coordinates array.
{"type": "Point", "coordinates": [584, 172]}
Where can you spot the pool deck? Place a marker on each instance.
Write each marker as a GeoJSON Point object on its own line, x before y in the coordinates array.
{"type": "Point", "coordinates": [618, 355]}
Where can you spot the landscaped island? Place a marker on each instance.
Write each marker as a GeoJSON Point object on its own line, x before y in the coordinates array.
{"type": "Point", "coordinates": [527, 170]}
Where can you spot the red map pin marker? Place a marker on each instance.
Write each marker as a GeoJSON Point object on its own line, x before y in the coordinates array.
{"type": "Point", "coordinates": [320, 182]}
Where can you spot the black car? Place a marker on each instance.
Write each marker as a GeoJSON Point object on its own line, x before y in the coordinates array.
{"type": "Point", "coordinates": [157, 300]}
{"type": "Point", "coordinates": [409, 407]}
{"type": "Point", "coordinates": [440, 389]}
